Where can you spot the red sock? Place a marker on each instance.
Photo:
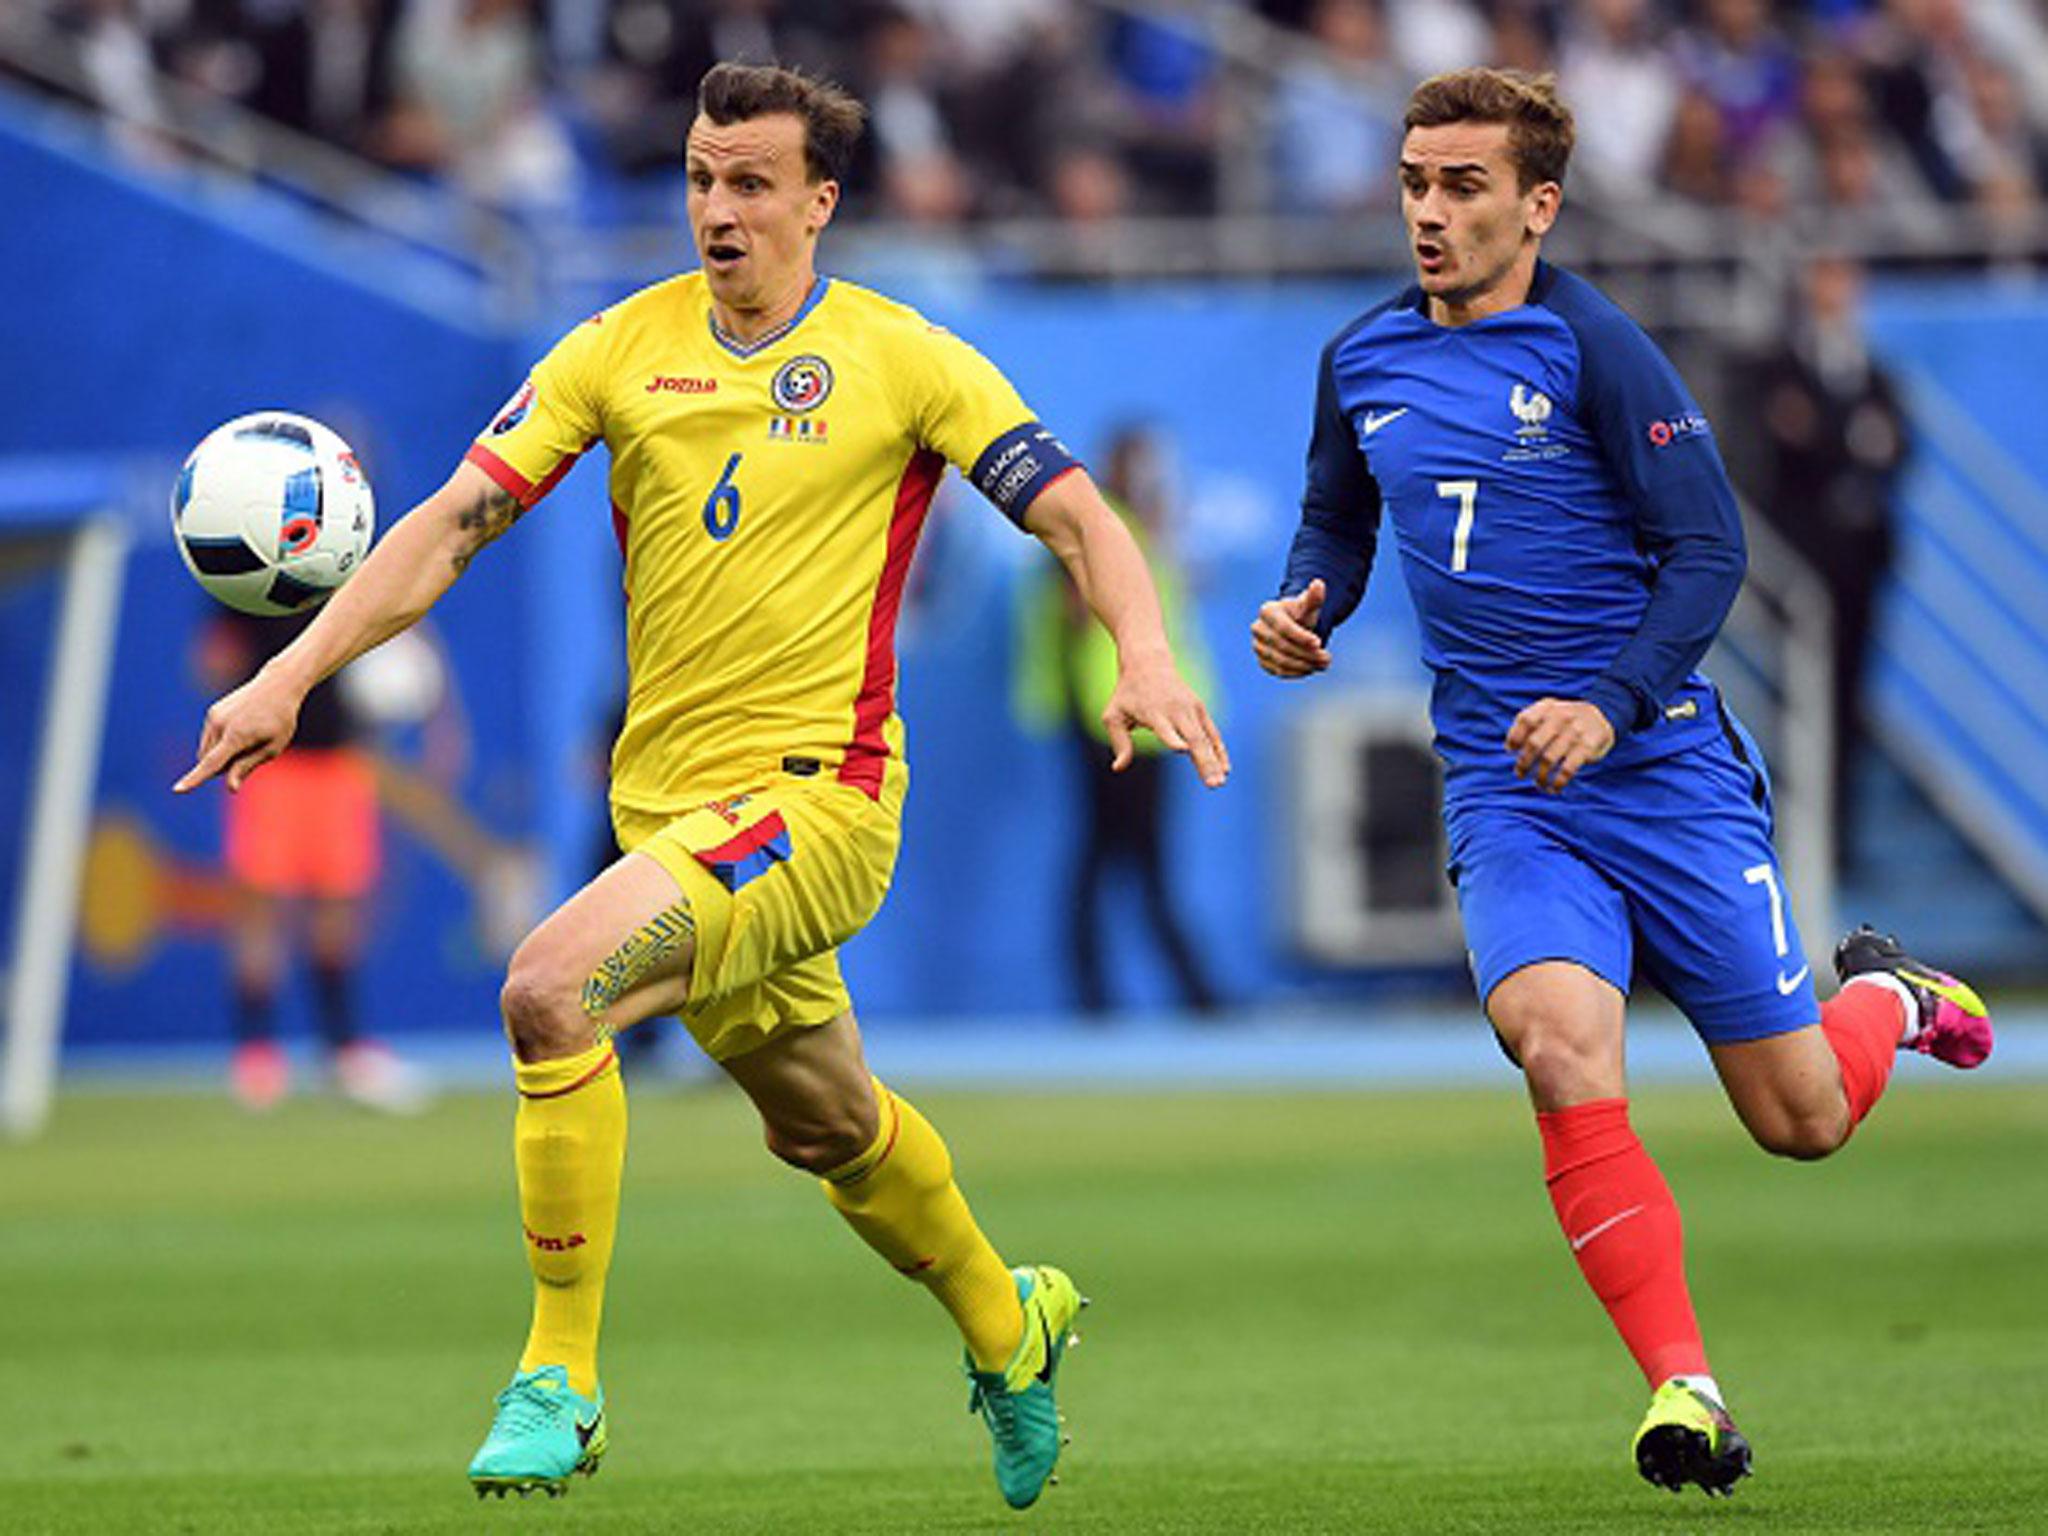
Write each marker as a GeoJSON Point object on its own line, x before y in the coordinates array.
{"type": "Point", "coordinates": [1862, 1026]}
{"type": "Point", "coordinates": [1619, 1217]}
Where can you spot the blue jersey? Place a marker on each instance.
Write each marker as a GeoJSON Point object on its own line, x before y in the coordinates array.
{"type": "Point", "coordinates": [1564, 521]}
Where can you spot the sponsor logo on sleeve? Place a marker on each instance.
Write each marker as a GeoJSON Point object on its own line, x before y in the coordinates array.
{"type": "Point", "coordinates": [1675, 429]}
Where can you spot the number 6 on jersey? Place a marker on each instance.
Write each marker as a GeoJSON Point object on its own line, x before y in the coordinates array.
{"type": "Point", "coordinates": [722, 506]}
{"type": "Point", "coordinates": [1466, 493]}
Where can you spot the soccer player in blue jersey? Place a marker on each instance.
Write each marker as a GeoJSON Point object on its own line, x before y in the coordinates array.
{"type": "Point", "coordinates": [1571, 546]}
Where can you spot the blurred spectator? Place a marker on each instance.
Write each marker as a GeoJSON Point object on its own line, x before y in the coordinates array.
{"type": "Point", "coordinates": [920, 176]}
{"type": "Point", "coordinates": [1835, 438]}
{"type": "Point", "coordinates": [1336, 115]}
{"type": "Point", "coordinates": [1919, 52]}
{"type": "Point", "coordinates": [1087, 185]}
{"type": "Point", "coordinates": [469, 103]}
{"type": "Point", "coordinates": [644, 98]}
{"type": "Point", "coordinates": [1696, 159]}
{"type": "Point", "coordinates": [320, 67]}
{"type": "Point", "coordinates": [1520, 37]}
{"type": "Point", "coordinates": [1428, 37]}
{"type": "Point", "coordinates": [117, 51]}
{"type": "Point", "coordinates": [2007, 163]}
{"type": "Point", "coordinates": [1067, 667]}
{"type": "Point", "coordinates": [1624, 89]}
{"type": "Point", "coordinates": [304, 850]}
{"type": "Point", "coordinates": [1166, 76]}
{"type": "Point", "coordinates": [1739, 61]}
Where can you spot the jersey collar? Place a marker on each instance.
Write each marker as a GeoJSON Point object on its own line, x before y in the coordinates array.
{"type": "Point", "coordinates": [760, 344]}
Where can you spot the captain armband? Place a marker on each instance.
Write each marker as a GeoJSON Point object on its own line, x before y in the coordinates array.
{"type": "Point", "coordinates": [1014, 468]}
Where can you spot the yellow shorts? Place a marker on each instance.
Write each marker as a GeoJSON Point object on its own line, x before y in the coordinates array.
{"type": "Point", "coordinates": [777, 879]}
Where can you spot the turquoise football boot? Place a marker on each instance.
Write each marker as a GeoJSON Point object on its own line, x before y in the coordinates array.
{"type": "Point", "coordinates": [1017, 1402]}
{"type": "Point", "coordinates": [543, 1435]}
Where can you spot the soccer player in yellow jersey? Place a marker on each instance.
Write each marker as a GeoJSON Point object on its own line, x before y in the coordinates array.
{"type": "Point", "coordinates": [775, 441]}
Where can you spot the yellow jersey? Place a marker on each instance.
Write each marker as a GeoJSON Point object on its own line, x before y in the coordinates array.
{"type": "Point", "coordinates": [768, 499]}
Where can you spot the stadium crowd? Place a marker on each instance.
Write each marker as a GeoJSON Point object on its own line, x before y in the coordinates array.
{"type": "Point", "coordinates": [1903, 110]}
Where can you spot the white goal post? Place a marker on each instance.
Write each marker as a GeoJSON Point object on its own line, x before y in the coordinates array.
{"type": "Point", "coordinates": [67, 517]}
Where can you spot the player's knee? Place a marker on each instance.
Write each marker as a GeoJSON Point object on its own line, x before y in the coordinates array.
{"type": "Point", "coordinates": [820, 1141]}
{"type": "Point", "coordinates": [1559, 1061]}
{"type": "Point", "coordinates": [543, 1013]}
{"type": "Point", "coordinates": [1803, 1136]}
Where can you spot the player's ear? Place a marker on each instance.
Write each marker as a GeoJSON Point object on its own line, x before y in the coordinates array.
{"type": "Point", "coordinates": [824, 202]}
{"type": "Point", "coordinates": [1543, 202]}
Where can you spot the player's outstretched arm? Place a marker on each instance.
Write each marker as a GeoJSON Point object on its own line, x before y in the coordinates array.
{"type": "Point", "coordinates": [1075, 523]}
{"type": "Point", "coordinates": [408, 570]}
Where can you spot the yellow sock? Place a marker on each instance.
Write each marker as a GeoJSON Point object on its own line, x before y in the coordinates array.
{"type": "Point", "coordinates": [570, 1144]}
{"type": "Point", "coordinates": [899, 1195]}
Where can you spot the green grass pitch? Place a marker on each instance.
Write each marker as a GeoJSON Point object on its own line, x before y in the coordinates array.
{"type": "Point", "coordinates": [1314, 1312]}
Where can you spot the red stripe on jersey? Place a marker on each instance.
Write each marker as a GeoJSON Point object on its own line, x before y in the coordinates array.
{"type": "Point", "coordinates": [507, 477]}
{"type": "Point", "coordinates": [738, 846]}
{"type": "Point", "coordinates": [555, 475]}
{"type": "Point", "coordinates": [868, 752]}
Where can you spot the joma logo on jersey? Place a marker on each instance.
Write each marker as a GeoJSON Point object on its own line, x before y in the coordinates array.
{"type": "Point", "coordinates": [672, 384]}
{"type": "Point", "coordinates": [1532, 409]}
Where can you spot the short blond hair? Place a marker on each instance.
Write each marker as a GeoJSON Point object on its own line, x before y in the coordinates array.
{"type": "Point", "coordinates": [1540, 129]}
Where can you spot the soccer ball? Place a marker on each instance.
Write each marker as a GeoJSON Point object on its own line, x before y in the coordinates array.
{"type": "Point", "coordinates": [272, 513]}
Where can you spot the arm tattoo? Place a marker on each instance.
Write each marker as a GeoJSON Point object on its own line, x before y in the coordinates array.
{"type": "Point", "coordinates": [483, 520]}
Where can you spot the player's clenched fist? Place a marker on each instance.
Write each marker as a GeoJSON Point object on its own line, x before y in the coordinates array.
{"type": "Point", "coordinates": [244, 730]}
{"type": "Point", "coordinates": [1284, 637]}
{"type": "Point", "coordinates": [1555, 738]}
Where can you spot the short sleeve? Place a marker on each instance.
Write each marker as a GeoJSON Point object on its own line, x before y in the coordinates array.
{"type": "Point", "coordinates": [551, 420]}
{"type": "Point", "coordinates": [965, 410]}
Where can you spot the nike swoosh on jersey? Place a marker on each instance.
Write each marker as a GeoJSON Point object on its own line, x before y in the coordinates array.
{"type": "Point", "coordinates": [1786, 984]}
{"type": "Point", "coordinates": [1374, 420]}
{"type": "Point", "coordinates": [1613, 1221]}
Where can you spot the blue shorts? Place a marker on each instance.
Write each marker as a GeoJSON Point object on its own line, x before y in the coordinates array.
{"type": "Point", "coordinates": [1669, 862]}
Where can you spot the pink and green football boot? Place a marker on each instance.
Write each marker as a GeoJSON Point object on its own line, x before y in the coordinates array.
{"type": "Point", "coordinates": [1948, 1020]}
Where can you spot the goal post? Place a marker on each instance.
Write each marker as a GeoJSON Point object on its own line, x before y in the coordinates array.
{"type": "Point", "coordinates": [67, 518]}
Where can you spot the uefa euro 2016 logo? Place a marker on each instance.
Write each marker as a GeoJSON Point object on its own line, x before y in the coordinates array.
{"type": "Point", "coordinates": [515, 410]}
{"type": "Point", "coordinates": [802, 383]}
{"type": "Point", "coordinates": [1531, 408]}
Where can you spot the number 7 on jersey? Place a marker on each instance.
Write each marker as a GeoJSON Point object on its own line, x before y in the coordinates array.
{"type": "Point", "coordinates": [1466, 494]}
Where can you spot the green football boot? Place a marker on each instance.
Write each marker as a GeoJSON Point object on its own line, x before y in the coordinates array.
{"type": "Point", "coordinates": [543, 1435]}
{"type": "Point", "coordinates": [1017, 1402]}
{"type": "Point", "coordinates": [1687, 1437]}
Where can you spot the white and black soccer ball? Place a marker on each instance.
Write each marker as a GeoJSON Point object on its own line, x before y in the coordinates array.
{"type": "Point", "coordinates": [272, 512]}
